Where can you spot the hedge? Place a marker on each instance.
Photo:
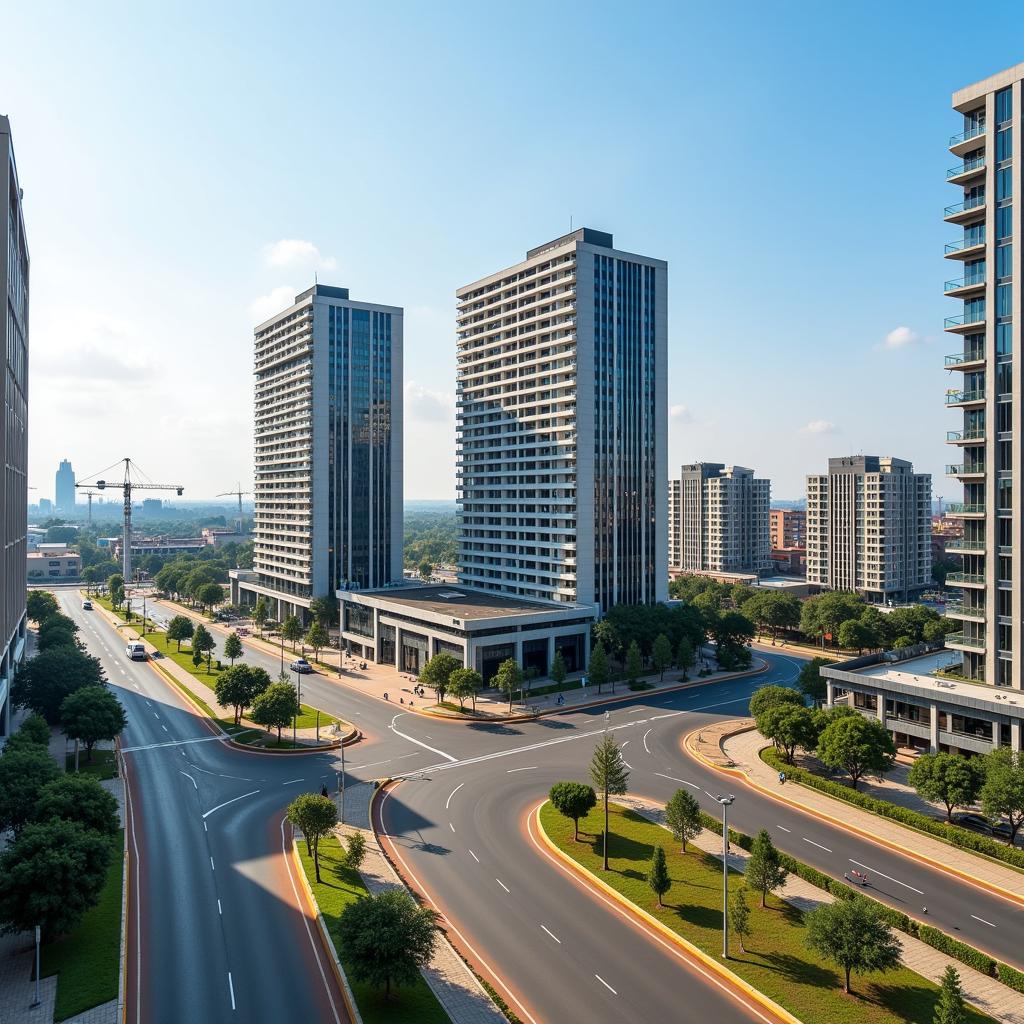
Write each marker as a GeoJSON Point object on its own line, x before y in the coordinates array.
{"type": "Point", "coordinates": [955, 948]}
{"type": "Point", "coordinates": [1010, 976]}
{"type": "Point", "coordinates": [952, 834]}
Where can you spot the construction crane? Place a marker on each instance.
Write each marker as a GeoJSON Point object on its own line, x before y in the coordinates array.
{"type": "Point", "coordinates": [89, 495]}
{"type": "Point", "coordinates": [128, 485]}
{"type": "Point", "coordinates": [240, 493]}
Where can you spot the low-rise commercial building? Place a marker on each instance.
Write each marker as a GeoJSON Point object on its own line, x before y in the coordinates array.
{"type": "Point", "coordinates": [53, 562]}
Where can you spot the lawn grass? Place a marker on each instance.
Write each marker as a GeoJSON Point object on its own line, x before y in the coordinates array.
{"type": "Point", "coordinates": [341, 886]}
{"type": "Point", "coordinates": [87, 961]}
{"type": "Point", "coordinates": [777, 962]}
{"type": "Point", "coordinates": [102, 766]}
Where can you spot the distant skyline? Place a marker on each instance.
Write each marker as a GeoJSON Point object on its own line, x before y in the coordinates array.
{"type": "Point", "coordinates": [787, 162]}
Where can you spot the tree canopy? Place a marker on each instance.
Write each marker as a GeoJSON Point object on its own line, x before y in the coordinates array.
{"type": "Point", "coordinates": [24, 771]}
{"type": "Point", "coordinates": [315, 816]}
{"type": "Point", "coordinates": [852, 934]}
{"type": "Point", "coordinates": [951, 779]}
{"type": "Point", "coordinates": [90, 715]}
{"type": "Point", "coordinates": [857, 745]}
{"type": "Point", "coordinates": [275, 707]}
{"type": "Point", "coordinates": [49, 677]}
{"type": "Point", "coordinates": [573, 800]}
{"type": "Point", "coordinates": [238, 686]}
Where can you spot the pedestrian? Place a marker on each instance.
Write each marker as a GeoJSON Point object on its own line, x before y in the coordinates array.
{"type": "Point", "coordinates": [385, 694]}
{"type": "Point", "coordinates": [323, 791]}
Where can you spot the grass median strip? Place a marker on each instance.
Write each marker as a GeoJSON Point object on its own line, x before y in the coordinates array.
{"type": "Point", "coordinates": [777, 963]}
{"type": "Point", "coordinates": [341, 886]}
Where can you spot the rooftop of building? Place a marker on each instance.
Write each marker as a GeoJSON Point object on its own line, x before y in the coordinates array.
{"type": "Point", "coordinates": [867, 464]}
{"type": "Point", "coordinates": [463, 602]}
{"type": "Point", "coordinates": [967, 97]}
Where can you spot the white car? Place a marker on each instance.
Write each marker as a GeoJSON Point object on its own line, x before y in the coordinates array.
{"type": "Point", "coordinates": [301, 665]}
{"type": "Point", "coordinates": [137, 652]}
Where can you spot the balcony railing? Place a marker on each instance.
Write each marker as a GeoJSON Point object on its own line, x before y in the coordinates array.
{"type": "Point", "coordinates": [968, 133]}
{"type": "Point", "coordinates": [962, 244]}
{"type": "Point", "coordinates": [962, 469]}
{"type": "Point", "coordinates": [959, 358]}
{"type": "Point", "coordinates": [967, 281]}
{"type": "Point", "coordinates": [974, 164]}
{"type": "Point", "coordinates": [964, 577]}
{"type": "Point", "coordinates": [963, 397]}
{"type": "Point", "coordinates": [963, 319]}
{"type": "Point", "coordinates": [961, 544]}
{"type": "Point", "coordinates": [958, 508]}
{"type": "Point", "coordinates": [963, 611]}
{"type": "Point", "coordinates": [972, 203]}
{"type": "Point", "coordinates": [975, 434]}
{"type": "Point", "coordinates": [965, 641]}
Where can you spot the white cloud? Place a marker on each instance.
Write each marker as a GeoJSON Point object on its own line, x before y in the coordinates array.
{"type": "Point", "coordinates": [819, 427]}
{"type": "Point", "coordinates": [296, 252]}
{"type": "Point", "coordinates": [430, 406]}
{"type": "Point", "coordinates": [273, 302]}
{"type": "Point", "coordinates": [681, 413]}
{"type": "Point", "coordinates": [900, 337]}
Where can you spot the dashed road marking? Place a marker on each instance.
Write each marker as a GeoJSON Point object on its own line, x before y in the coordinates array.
{"type": "Point", "coordinates": [891, 879]}
{"type": "Point", "coordinates": [447, 802]}
{"type": "Point", "coordinates": [474, 856]}
{"type": "Point", "coordinates": [813, 843]}
{"type": "Point", "coordinates": [606, 985]}
{"type": "Point", "coordinates": [552, 934]}
{"type": "Point", "coordinates": [503, 885]}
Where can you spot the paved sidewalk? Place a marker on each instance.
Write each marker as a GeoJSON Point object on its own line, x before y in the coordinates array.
{"type": "Point", "coordinates": [727, 747]}
{"type": "Point", "coordinates": [987, 994]}
{"type": "Point", "coordinates": [456, 988]}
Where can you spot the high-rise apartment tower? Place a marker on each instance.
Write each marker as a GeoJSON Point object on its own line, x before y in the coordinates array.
{"type": "Point", "coordinates": [562, 425]}
{"type": "Point", "coordinates": [64, 487]}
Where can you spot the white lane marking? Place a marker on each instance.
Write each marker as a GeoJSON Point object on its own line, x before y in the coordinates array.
{"type": "Point", "coordinates": [232, 988]}
{"type": "Point", "coordinates": [813, 843]}
{"type": "Point", "coordinates": [627, 764]}
{"type": "Point", "coordinates": [164, 727]}
{"type": "Point", "coordinates": [784, 829]}
{"type": "Point", "coordinates": [672, 778]}
{"type": "Point", "coordinates": [190, 779]}
{"type": "Point", "coordinates": [474, 856]}
{"type": "Point", "coordinates": [291, 782]}
{"type": "Point", "coordinates": [552, 934]}
{"type": "Point", "coordinates": [646, 734]}
{"type": "Point", "coordinates": [156, 716]}
{"type": "Point", "coordinates": [212, 868]}
{"type": "Point", "coordinates": [171, 743]}
{"type": "Point", "coordinates": [375, 764]}
{"type": "Point", "coordinates": [451, 826]}
{"type": "Point", "coordinates": [503, 885]}
{"type": "Point", "coordinates": [982, 920]}
{"type": "Point", "coordinates": [891, 879]}
{"type": "Point", "coordinates": [606, 985]}
{"type": "Point", "coordinates": [530, 768]}
{"type": "Point", "coordinates": [205, 829]}
{"type": "Point", "coordinates": [226, 802]}
{"type": "Point", "coordinates": [412, 739]}
{"type": "Point", "coordinates": [625, 743]}
{"type": "Point", "coordinates": [138, 904]}
{"type": "Point", "coordinates": [447, 802]}
{"type": "Point", "coordinates": [220, 910]}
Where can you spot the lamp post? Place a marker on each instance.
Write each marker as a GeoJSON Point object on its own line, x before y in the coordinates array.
{"type": "Point", "coordinates": [298, 711]}
{"type": "Point", "coordinates": [725, 801]}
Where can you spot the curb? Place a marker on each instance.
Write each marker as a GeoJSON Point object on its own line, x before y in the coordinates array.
{"type": "Point", "coordinates": [327, 941]}
{"type": "Point", "coordinates": [122, 1004]}
{"type": "Point", "coordinates": [652, 922]}
{"type": "Point", "coordinates": [906, 851]}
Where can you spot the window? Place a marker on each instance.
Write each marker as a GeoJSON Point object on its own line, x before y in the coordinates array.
{"type": "Point", "coordinates": [1004, 183]}
{"type": "Point", "coordinates": [1004, 107]}
{"type": "Point", "coordinates": [1004, 144]}
{"type": "Point", "coordinates": [1004, 263]}
{"type": "Point", "coordinates": [1004, 222]}
{"type": "Point", "coordinates": [1004, 381]}
{"type": "Point", "coordinates": [1004, 300]}
{"type": "Point", "coordinates": [1004, 339]}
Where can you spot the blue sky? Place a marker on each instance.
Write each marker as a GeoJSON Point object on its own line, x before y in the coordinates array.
{"type": "Point", "coordinates": [788, 160]}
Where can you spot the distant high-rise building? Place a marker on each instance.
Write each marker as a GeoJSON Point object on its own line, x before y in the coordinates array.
{"type": "Point", "coordinates": [328, 487]}
{"type": "Point", "coordinates": [152, 506]}
{"type": "Point", "coordinates": [788, 528]}
{"type": "Point", "coordinates": [45, 506]}
{"type": "Point", "coordinates": [869, 528]}
{"type": "Point", "coordinates": [14, 273]}
{"type": "Point", "coordinates": [64, 488]}
{"type": "Point", "coordinates": [562, 425]}
{"type": "Point", "coordinates": [719, 519]}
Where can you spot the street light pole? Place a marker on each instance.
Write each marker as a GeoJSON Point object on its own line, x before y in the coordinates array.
{"type": "Point", "coordinates": [343, 783]}
{"type": "Point", "coordinates": [298, 710]}
{"type": "Point", "coordinates": [725, 801]}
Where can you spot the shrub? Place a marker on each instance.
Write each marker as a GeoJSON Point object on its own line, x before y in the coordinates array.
{"type": "Point", "coordinates": [958, 950]}
{"type": "Point", "coordinates": [1010, 976]}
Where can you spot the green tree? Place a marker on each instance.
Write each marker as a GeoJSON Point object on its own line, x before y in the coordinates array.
{"type": "Point", "coordinates": [811, 682]}
{"type": "Point", "coordinates": [238, 686]}
{"type": "Point", "coordinates": [739, 914]}
{"type": "Point", "coordinates": [204, 644]}
{"type": "Point", "coordinates": [950, 1008]}
{"type": "Point", "coordinates": [573, 800]}
{"type": "Point", "coordinates": [291, 630]}
{"type": "Point", "coordinates": [197, 657]}
{"type": "Point", "coordinates": [855, 635]}
{"type": "Point", "coordinates": [682, 815]}
{"type": "Point", "coordinates": [426, 569]}
{"type": "Point", "coordinates": [325, 610]}
{"type": "Point", "coordinates": [634, 665]}
{"type": "Point", "coordinates": [765, 872]}
{"type": "Point", "coordinates": [657, 874]}
{"type": "Point", "coordinates": [463, 683]}
{"type": "Point", "coordinates": [315, 816]}
{"type": "Point", "coordinates": [33, 730]}
{"type": "Point", "coordinates": [50, 676]}
{"type": "Point", "coordinates": [387, 938]}
{"type": "Point", "coordinates": [79, 798]}
{"type": "Point", "coordinates": [661, 654]}
{"type": "Point", "coordinates": [685, 658]}
{"type": "Point", "coordinates": [789, 726]}
{"type": "Point", "coordinates": [260, 614]}
{"type": "Point", "coordinates": [852, 934]}
{"type": "Point", "coordinates": [857, 745]}
{"type": "Point", "coordinates": [275, 707]}
{"type": "Point", "coordinates": [769, 696]}
{"type": "Point", "coordinates": [233, 649]}
{"type": "Point", "coordinates": [60, 636]}
{"type": "Point", "coordinates": [40, 605]}
{"type": "Point", "coordinates": [1003, 790]}
{"type": "Point", "coordinates": [437, 672]}
{"type": "Point", "coordinates": [355, 851]}
{"type": "Point", "coordinates": [598, 670]}
{"type": "Point", "coordinates": [209, 595]}
{"type": "Point", "coordinates": [24, 771]}
{"type": "Point", "coordinates": [317, 637]}
{"type": "Point", "coordinates": [951, 779]}
{"type": "Point", "coordinates": [51, 875]}
{"type": "Point", "coordinates": [606, 634]}
{"type": "Point", "coordinates": [558, 671]}
{"type": "Point", "coordinates": [90, 715]}
{"type": "Point", "coordinates": [180, 628]}
{"type": "Point", "coordinates": [822, 616]}
{"type": "Point", "coordinates": [508, 678]}
{"type": "Point", "coordinates": [609, 774]}
{"type": "Point", "coordinates": [115, 588]}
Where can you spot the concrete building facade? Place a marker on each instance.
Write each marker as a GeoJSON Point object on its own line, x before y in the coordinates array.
{"type": "Point", "coordinates": [562, 426]}
{"type": "Point", "coordinates": [14, 275]}
{"type": "Point", "coordinates": [328, 452]}
{"type": "Point", "coordinates": [869, 528]}
{"type": "Point", "coordinates": [53, 563]}
{"type": "Point", "coordinates": [718, 519]}
{"type": "Point", "coordinates": [64, 488]}
{"type": "Point", "coordinates": [787, 528]}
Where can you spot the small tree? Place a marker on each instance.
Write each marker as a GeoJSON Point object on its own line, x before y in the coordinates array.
{"type": "Point", "coordinates": [438, 671]}
{"type": "Point", "coordinates": [204, 644]}
{"type": "Point", "coordinates": [857, 745]}
{"type": "Point", "coordinates": [24, 771]}
{"type": "Point", "coordinates": [315, 816]}
{"type": "Point", "coordinates": [609, 774]}
{"type": "Point", "coordinates": [951, 779]}
{"type": "Point", "coordinates": [317, 637]}
{"type": "Point", "coordinates": [508, 679]}
{"type": "Point", "coordinates": [210, 594]}
{"type": "Point", "coordinates": [853, 936]}
{"type": "Point", "coordinates": [180, 628]}
{"type": "Point", "coordinates": [260, 614]}
{"type": "Point", "coordinates": [355, 851]}
{"type": "Point", "coordinates": [115, 588]}
{"type": "Point", "coordinates": [275, 707]}
{"type": "Point", "coordinates": [558, 671]}
{"type": "Point", "coordinates": [765, 872]}
{"type": "Point", "coordinates": [789, 726]}
{"type": "Point", "coordinates": [682, 815]}
{"type": "Point", "coordinates": [1003, 790]}
{"type": "Point", "coordinates": [573, 800]}
{"type": "Point", "coordinates": [811, 681]}
{"type": "Point", "coordinates": [90, 715]}
{"type": "Point", "coordinates": [950, 1008]}
{"type": "Point", "coordinates": [739, 914]}
{"type": "Point", "coordinates": [657, 874]}
{"type": "Point", "coordinates": [33, 730]}
{"type": "Point", "coordinates": [40, 605]}
{"type": "Point", "coordinates": [50, 676]}
{"type": "Point", "coordinates": [387, 938]}
{"type": "Point", "coordinates": [325, 610]}
{"type": "Point", "coordinates": [238, 686]}
{"type": "Point", "coordinates": [426, 569]}
{"type": "Point", "coordinates": [661, 654]}
{"type": "Point", "coordinates": [598, 667]}
{"type": "Point", "coordinates": [765, 697]}
{"type": "Point", "coordinates": [197, 658]}
{"type": "Point", "coordinates": [463, 683]}
{"type": "Point", "coordinates": [634, 665]}
{"type": "Point", "coordinates": [79, 798]}
{"type": "Point", "coordinates": [685, 658]}
{"type": "Point", "coordinates": [291, 630]}
{"type": "Point", "coordinates": [233, 649]}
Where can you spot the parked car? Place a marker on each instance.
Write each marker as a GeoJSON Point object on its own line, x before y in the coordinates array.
{"type": "Point", "coordinates": [301, 666]}
{"type": "Point", "coordinates": [87, 605]}
{"type": "Point", "coordinates": [979, 823]}
{"type": "Point", "coordinates": [242, 631]}
{"type": "Point", "coordinates": [136, 651]}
